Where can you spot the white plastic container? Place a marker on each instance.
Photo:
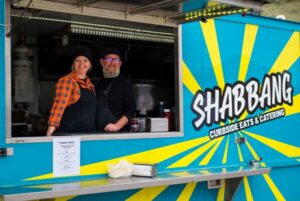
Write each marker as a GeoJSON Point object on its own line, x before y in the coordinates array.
{"type": "Point", "coordinates": [20, 53]}
{"type": "Point", "coordinates": [22, 68]}
{"type": "Point", "coordinates": [22, 71]}
{"type": "Point", "coordinates": [22, 63]}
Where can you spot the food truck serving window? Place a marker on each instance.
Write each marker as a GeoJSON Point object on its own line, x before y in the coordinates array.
{"type": "Point", "coordinates": [41, 44]}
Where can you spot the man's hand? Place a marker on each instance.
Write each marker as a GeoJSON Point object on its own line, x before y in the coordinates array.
{"type": "Point", "coordinates": [116, 126]}
{"type": "Point", "coordinates": [111, 127]}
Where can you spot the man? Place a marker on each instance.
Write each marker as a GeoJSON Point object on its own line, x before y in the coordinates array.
{"type": "Point", "coordinates": [115, 95]}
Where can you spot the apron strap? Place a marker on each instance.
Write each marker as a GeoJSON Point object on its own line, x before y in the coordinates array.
{"type": "Point", "coordinates": [104, 116]}
{"type": "Point", "coordinates": [106, 91]}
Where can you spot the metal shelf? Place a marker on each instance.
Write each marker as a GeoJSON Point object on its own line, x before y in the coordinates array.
{"type": "Point", "coordinates": [231, 175]}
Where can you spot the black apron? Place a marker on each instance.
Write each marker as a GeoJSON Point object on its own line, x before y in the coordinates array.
{"type": "Point", "coordinates": [80, 116]}
{"type": "Point", "coordinates": [103, 115]}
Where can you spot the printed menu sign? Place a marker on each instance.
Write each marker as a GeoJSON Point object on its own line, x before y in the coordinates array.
{"type": "Point", "coordinates": [66, 156]}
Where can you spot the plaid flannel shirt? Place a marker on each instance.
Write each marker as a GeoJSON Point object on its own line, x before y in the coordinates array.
{"type": "Point", "coordinates": [67, 92]}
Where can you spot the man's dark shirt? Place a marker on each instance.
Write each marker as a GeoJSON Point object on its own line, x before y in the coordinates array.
{"type": "Point", "coordinates": [120, 96]}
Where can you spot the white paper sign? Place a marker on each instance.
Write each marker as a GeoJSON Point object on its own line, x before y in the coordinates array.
{"type": "Point", "coordinates": [66, 156]}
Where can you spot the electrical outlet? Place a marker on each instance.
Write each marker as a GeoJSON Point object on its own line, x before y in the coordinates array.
{"type": "Point", "coordinates": [6, 151]}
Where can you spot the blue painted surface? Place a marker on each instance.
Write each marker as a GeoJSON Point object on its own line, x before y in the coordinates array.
{"type": "Point", "coordinates": [33, 159]}
{"type": "Point", "coordinates": [194, 5]}
{"type": "Point", "coordinates": [230, 47]}
{"type": "Point", "coordinates": [263, 21]}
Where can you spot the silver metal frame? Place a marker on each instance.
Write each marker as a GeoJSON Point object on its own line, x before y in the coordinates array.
{"type": "Point", "coordinates": [87, 137]}
{"type": "Point", "coordinates": [7, 72]}
{"type": "Point", "coordinates": [179, 92]}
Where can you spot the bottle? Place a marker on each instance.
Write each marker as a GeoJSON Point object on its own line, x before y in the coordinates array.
{"type": "Point", "coordinates": [143, 112]}
{"type": "Point", "coordinates": [134, 125]}
{"type": "Point", "coordinates": [161, 108]}
{"type": "Point", "coordinates": [167, 114]}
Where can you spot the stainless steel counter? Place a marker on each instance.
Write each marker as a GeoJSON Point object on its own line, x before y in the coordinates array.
{"type": "Point", "coordinates": [232, 175]}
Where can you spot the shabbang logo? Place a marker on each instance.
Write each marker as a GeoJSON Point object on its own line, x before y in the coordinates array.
{"type": "Point", "coordinates": [214, 106]}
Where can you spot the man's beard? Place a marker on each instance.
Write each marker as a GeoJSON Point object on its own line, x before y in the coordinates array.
{"type": "Point", "coordinates": [110, 74]}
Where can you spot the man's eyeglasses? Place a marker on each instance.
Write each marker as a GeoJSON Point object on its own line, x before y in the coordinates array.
{"type": "Point", "coordinates": [113, 60]}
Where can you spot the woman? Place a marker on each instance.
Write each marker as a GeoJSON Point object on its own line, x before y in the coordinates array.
{"type": "Point", "coordinates": [75, 100]}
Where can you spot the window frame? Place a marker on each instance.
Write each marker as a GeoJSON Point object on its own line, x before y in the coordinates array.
{"type": "Point", "coordinates": [109, 136]}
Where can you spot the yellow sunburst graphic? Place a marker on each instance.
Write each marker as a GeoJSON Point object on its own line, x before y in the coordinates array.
{"type": "Point", "coordinates": [202, 149]}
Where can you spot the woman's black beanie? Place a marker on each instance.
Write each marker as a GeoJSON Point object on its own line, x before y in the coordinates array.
{"type": "Point", "coordinates": [82, 51]}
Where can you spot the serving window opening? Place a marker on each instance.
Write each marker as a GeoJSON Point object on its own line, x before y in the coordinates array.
{"type": "Point", "coordinates": [41, 47]}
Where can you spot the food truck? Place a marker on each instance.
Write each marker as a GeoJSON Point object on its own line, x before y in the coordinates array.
{"type": "Point", "coordinates": [228, 78]}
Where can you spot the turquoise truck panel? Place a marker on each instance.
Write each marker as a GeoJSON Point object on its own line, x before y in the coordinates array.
{"type": "Point", "coordinates": [222, 61]}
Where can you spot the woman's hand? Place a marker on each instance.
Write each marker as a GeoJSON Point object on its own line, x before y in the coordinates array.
{"type": "Point", "coordinates": [50, 130]}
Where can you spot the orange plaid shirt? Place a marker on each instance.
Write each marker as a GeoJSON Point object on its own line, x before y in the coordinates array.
{"type": "Point", "coordinates": [67, 92]}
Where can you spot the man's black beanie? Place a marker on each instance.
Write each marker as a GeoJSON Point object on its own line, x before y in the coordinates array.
{"type": "Point", "coordinates": [110, 51]}
{"type": "Point", "coordinates": [82, 51]}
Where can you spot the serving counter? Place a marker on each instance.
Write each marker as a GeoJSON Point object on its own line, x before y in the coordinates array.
{"type": "Point", "coordinates": [214, 176]}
